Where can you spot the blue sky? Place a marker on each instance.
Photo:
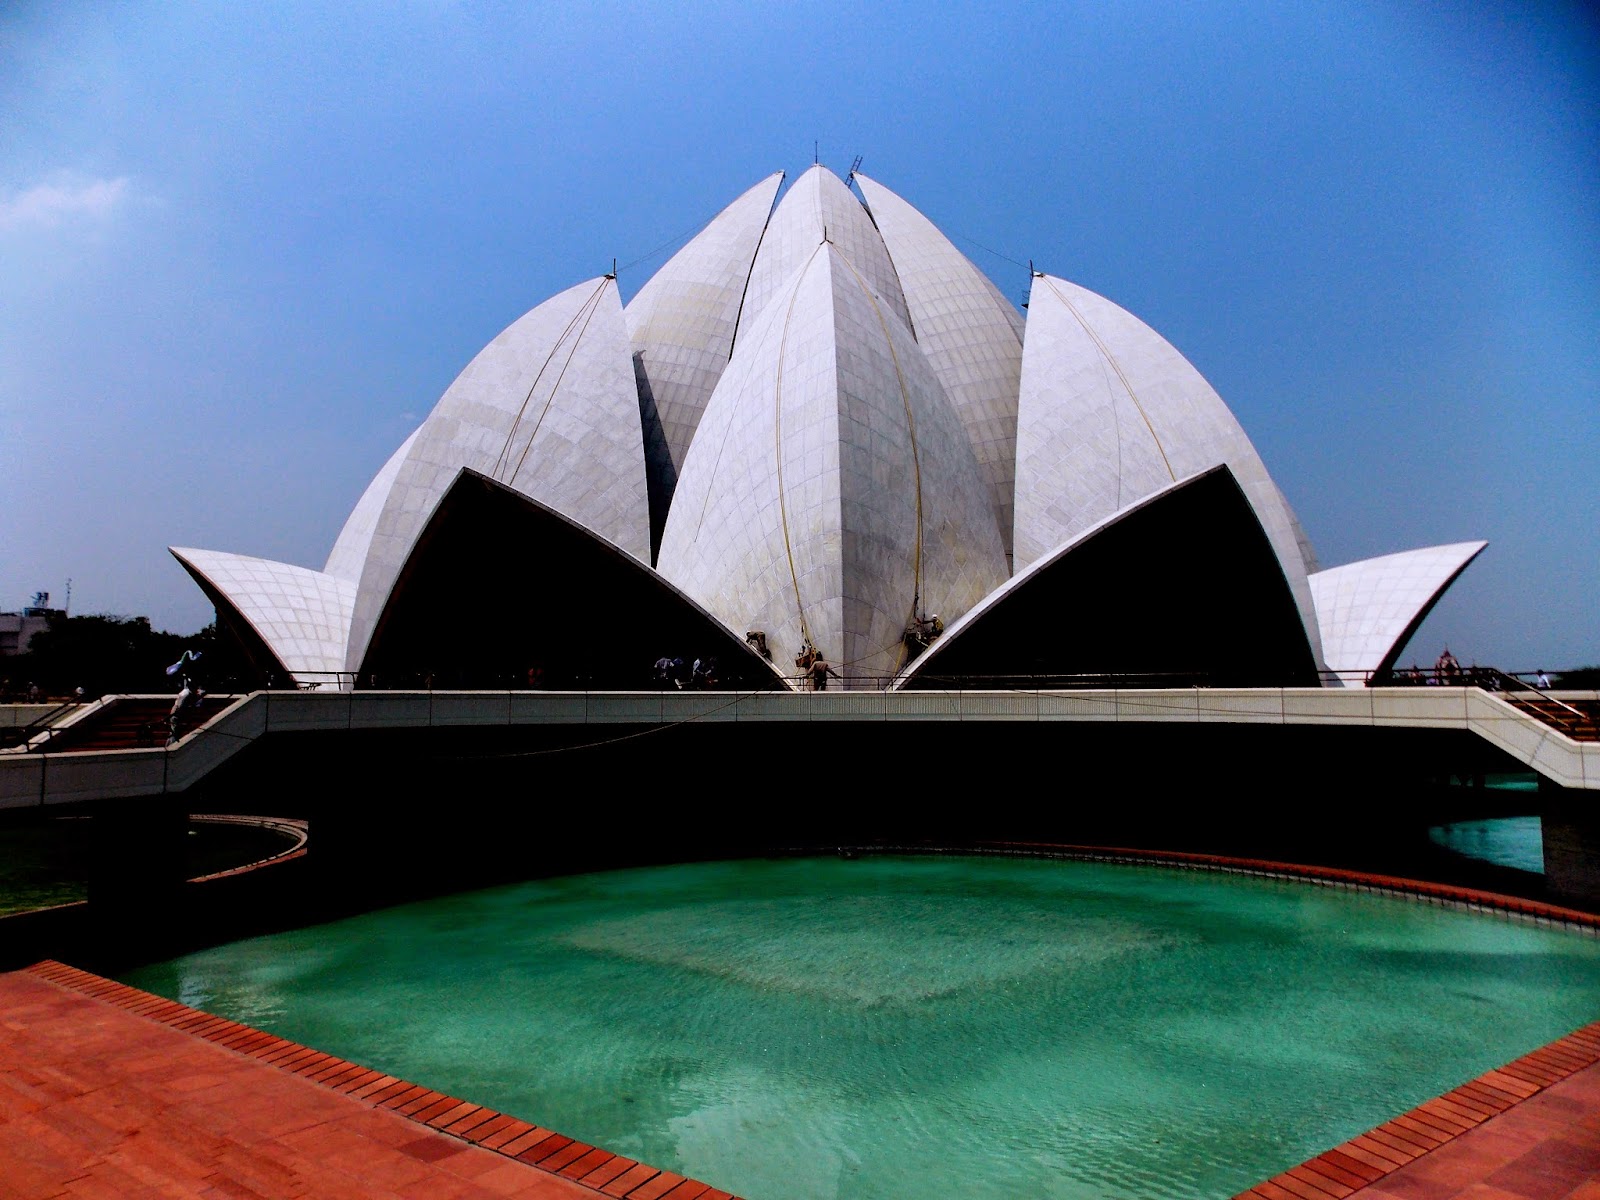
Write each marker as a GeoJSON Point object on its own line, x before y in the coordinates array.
{"type": "Point", "coordinates": [244, 248]}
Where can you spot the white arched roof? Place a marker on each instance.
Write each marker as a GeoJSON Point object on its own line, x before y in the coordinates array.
{"type": "Point", "coordinates": [1368, 609]}
{"type": "Point", "coordinates": [303, 616]}
{"type": "Point", "coordinates": [818, 206]}
{"type": "Point", "coordinates": [548, 408]}
{"type": "Point", "coordinates": [970, 333]}
{"type": "Point", "coordinates": [830, 480]}
{"type": "Point", "coordinates": [682, 321]}
{"type": "Point", "coordinates": [349, 551]}
{"type": "Point", "coordinates": [1109, 412]}
{"type": "Point", "coordinates": [854, 431]}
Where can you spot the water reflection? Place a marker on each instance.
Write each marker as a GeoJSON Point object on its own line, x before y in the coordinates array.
{"type": "Point", "coordinates": [1504, 841]}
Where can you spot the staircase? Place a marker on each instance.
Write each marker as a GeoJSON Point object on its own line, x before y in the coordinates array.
{"type": "Point", "coordinates": [131, 724]}
{"type": "Point", "coordinates": [1578, 719]}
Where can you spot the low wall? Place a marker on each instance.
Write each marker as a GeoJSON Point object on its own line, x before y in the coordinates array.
{"type": "Point", "coordinates": [44, 779]}
{"type": "Point", "coordinates": [15, 715]}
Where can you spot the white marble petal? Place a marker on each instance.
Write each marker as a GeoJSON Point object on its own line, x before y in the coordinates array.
{"type": "Point", "coordinates": [548, 408]}
{"type": "Point", "coordinates": [302, 615]}
{"type": "Point", "coordinates": [1367, 609]}
{"type": "Point", "coordinates": [682, 321]}
{"type": "Point", "coordinates": [969, 331]}
{"type": "Point", "coordinates": [349, 552]}
{"type": "Point", "coordinates": [816, 205]}
{"type": "Point", "coordinates": [1308, 553]}
{"type": "Point", "coordinates": [1109, 412]}
{"type": "Point", "coordinates": [831, 486]}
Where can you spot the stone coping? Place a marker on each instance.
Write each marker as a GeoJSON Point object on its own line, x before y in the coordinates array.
{"type": "Point", "coordinates": [1336, 1173]}
{"type": "Point", "coordinates": [1445, 894]}
{"type": "Point", "coordinates": [292, 828]}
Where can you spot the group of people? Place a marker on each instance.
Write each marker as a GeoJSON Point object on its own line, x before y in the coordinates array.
{"type": "Point", "coordinates": [1445, 671]}
{"type": "Point", "coordinates": [1448, 671]}
{"type": "Point", "coordinates": [683, 674]}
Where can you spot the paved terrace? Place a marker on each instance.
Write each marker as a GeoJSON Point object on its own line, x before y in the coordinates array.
{"type": "Point", "coordinates": [29, 779]}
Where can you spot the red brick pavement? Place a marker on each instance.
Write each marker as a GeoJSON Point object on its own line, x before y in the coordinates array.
{"type": "Point", "coordinates": [106, 1091]}
{"type": "Point", "coordinates": [1543, 1147]}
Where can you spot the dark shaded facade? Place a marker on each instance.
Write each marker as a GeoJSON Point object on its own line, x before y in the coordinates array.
{"type": "Point", "coordinates": [1183, 589]}
{"type": "Point", "coordinates": [502, 591]}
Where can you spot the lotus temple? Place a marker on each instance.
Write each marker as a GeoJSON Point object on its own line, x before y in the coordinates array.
{"type": "Point", "coordinates": [819, 434]}
{"type": "Point", "coordinates": [918, 748]}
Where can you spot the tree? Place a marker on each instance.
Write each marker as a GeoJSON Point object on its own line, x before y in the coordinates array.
{"type": "Point", "coordinates": [106, 653]}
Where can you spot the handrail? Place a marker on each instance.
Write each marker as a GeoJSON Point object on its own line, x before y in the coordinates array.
{"type": "Point", "coordinates": [21, 735]}
{"type": "Point", "coordinates": [1514, 682]}
{"type": "Point", "coordinates": [1489, 678]}
{"type": "Point", "coordinates": [499, 681]}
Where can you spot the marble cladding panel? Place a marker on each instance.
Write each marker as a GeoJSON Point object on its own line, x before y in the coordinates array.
{"type": "Point", "coordinates": [302, 615]}
{"type": "Point", "coordinates": [355, 539]}
{"type": "Point", "coordinates": [729, 543]}
{"type": "Point", "coordinates": [969, 332]}
{"type": "Point", "coordinates": [799, 496]}
{"type": "Point", "coordinates": [1108, 412]}
{"type": "Point", "coordinates": [904, 459]}
{"type": "Point", "coordinates": [1308, 552]}
{"type": "Point", "coordinates": [584, 455]}
{"type": "Point", "coordinates": [818, 204]}
{"type": "Point", "coordinates": [1365, 607]}
{"type": "Point", "coordinates": [682, 321]}
{"type": "Point", "coordinates": [549, 407]}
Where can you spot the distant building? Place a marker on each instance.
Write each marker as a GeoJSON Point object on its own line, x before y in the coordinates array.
{"type": "Point", "coordinates": [17, 629]}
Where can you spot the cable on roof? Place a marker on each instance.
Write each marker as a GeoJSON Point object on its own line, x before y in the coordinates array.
{"type": "Point", "coordinates": [916, 461]}
{"type": "Point", "coordinates": [1117, 367]}
{"type": "Point", "coordinates": [777, 443]}
{"type": "Point", "coordinates": [500, 459]}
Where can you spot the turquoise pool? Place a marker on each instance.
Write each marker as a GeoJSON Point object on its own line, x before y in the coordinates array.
{"type": "Point", "coordinates": [1505, 841]}
{"type": "Point", "coordinates": [890, 1027]}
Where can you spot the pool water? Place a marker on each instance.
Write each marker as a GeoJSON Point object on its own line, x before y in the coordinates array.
{"type": "Point", "coordinates": [1504, 841]}
{"type": "Point", "coordinates": [889, 1027]}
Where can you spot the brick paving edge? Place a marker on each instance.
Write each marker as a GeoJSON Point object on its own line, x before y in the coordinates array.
{"type": "Point", "coordinates": [530, 1145]}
